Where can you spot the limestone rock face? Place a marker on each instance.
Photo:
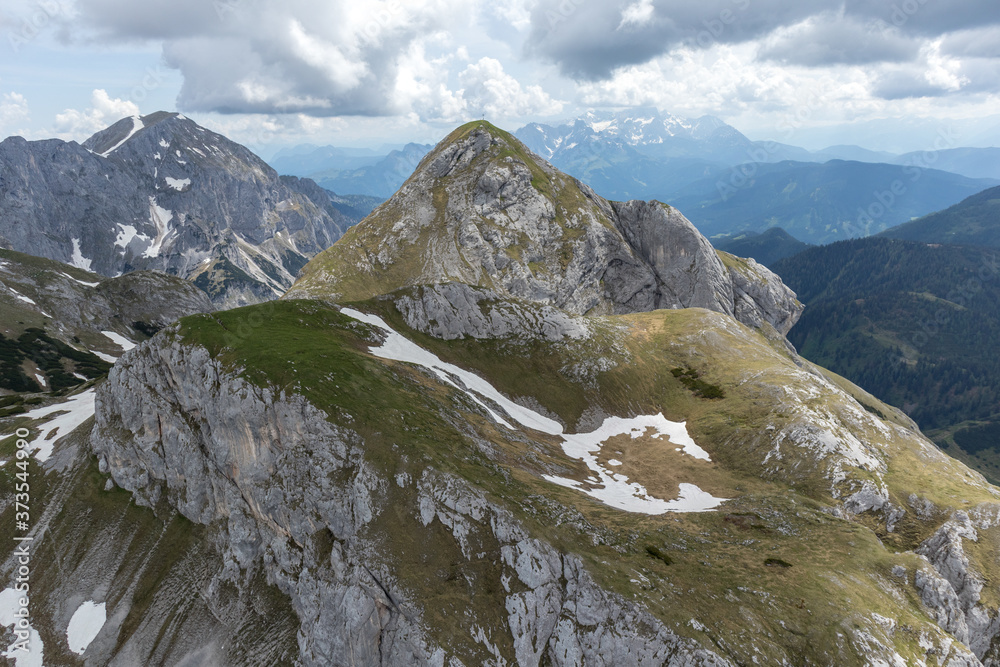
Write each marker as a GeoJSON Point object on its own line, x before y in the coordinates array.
{"type": "Point", "coordinates": [292, 491]}
{"type": "Point", "coordinates": [481, 209]}
{"type": "Point", "coordinates": [455, 310]}
{"type": "Point", "coordinates": [952, 589]}
{"type": "Point", "coordinates": [687, 270]}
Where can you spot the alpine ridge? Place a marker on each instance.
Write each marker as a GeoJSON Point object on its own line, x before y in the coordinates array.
{"type": "Point", "coordinates": [482, 210]}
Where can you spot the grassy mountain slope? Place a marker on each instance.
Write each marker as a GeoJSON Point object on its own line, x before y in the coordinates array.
{"type": "Point", "coordinates": [425, 499]}
{"type": "Point", "coordinates": [756, 575]}
{"type": "Point", "coordinates": [913, 324]}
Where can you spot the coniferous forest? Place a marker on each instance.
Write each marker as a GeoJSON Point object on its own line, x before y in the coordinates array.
{"type": "Point", "coordinates": [915, 324]}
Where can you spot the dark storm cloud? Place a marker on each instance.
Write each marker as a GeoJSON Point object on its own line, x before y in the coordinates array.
{"type": "Point", "coordinates": [978, 43]}
{"type": "Point", "coordinates": [899, 85]}
{"type": "Point", "coordinates": [589, 40]}
{"type": "Point", "coordinates": [831, 40]}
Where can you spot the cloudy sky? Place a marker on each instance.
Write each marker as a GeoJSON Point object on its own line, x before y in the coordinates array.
{"type": "Point", "coordinates": [887, 74]}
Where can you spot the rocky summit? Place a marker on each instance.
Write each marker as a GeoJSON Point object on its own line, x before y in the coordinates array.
{"type": "Point", "coordinates": [503, 421]}
{"type": "Point", "coordinates": [160, 192]}
{"type": "Point", "coordinates": [482, 210]}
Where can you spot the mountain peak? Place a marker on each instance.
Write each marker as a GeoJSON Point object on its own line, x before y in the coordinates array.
{"type": "Point", "coordinates": [110, 139]}
{"type": "Point", "coordinates": [161, 192]}
{"type": "Point", "coordinates": [481, 209]}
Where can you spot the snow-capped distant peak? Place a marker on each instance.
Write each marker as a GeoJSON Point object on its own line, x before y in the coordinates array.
{"type": "Point", "coordinates": [601, 126]}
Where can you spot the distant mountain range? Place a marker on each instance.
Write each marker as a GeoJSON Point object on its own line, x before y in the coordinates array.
{"type": "Point", "coordinates": [342, 170]}
{"type": "Point", "coordinates": [161, 192]}
{"type": "Point", "coordinates": [726, 183]}
{"type": "Point", "coordinates": [971, 162]}
{"type": "Point", "coordinates": [308, 159]}
{"type": "Point", "coordinates": [820, 203]}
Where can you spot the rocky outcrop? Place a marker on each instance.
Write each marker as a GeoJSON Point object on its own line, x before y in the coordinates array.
{"type": "Point", "coordinates": [483, 210]}
{"type": "Point", "coordinates": [759, 296]}
{"type": "Point", "coordinates": [162, 193]}
{"type": "Point", "coordinates": [952, 589]}
{"type": "Point", "coordinates": [456, 310]}
{"type": "Point", "coordinates": [687, 270]}
{"type": "Point", "coordinates": [295, 492]}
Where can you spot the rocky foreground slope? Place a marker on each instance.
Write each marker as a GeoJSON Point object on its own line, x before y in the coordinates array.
{"type": "Point", "coordinates": [162, 193]}
{"type": "Point", "coordinates": [469, 470]}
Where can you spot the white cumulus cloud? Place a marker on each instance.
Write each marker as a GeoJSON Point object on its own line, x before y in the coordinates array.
{"type": "Point", "coordinates": [488, 89]}
{"type": "Point", "coordinates": [104, 110]}
{"type": "Point", "coordinates": [13, 113]}
{"type": "Point", "coordinates": [638, 13]}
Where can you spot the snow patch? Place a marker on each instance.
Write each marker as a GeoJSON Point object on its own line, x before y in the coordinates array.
{"type": "Point", "coordinates": [21, 296]}
{"type": "Point", "coordinates": [137, 125]}
{"type": "Point", "coordinates": [126, 234]}
{"type": "Point", "coordinates": [86, 623]}
{"type": "Point", "coordinates": [120, 341]}
{"type": "Point", "coordinates": [78, 260]}
{"type": "Point", "coordinates": [9, 607]}
{"type": "Point", "coordinates": [160, 217]}
{"type": "Point", "coordinates": [611, 488]}
{"type": "Point", "coordinates": [178, 184]}
{"type": "Point", "coordinates": [164, 143]}
{"type": "Point", "coordinates": [106, 357]}
{"type": "Point", "coordinates": [398, 348]}
{"type": "Point", "coordinates": [614, 488]}
{"type": "Point", "coordinates": [76, 410]}
{"type": "Point", "coordinates": [41, 380]}
{"type": "Point", "coordinates": [82, 282]}
{"type": "Point", "coordinates": [614, 462]}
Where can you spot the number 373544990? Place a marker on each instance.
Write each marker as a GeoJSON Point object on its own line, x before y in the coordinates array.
{"type": "Point", "coordinates": [22, 488]}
